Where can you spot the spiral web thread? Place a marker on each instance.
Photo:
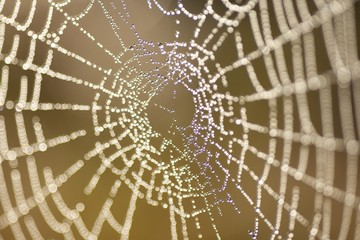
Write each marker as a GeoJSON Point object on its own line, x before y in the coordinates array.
{"type": "Point", "coordinates": [217, 142]}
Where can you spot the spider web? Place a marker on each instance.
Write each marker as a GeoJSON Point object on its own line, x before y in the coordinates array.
{"type": "Point", "coordinates": [229, 118]}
